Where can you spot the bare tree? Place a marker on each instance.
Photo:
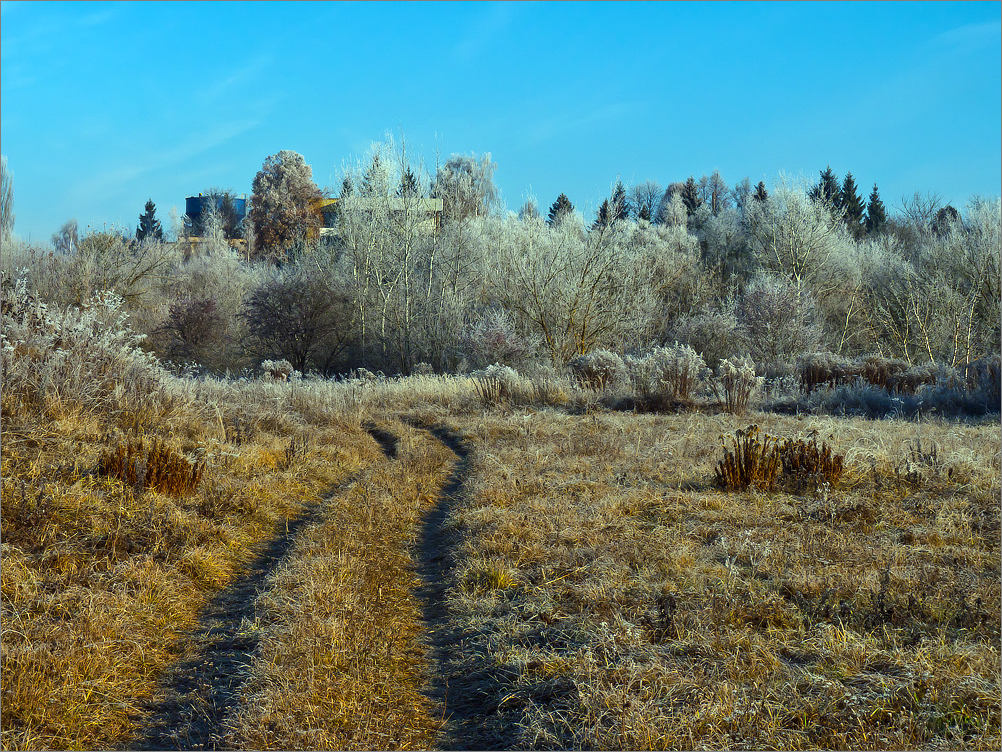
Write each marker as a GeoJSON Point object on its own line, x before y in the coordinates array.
{"type": "Point", "coordinates": [644, 199]}
{"type": "Point", "coordinates": [66, 240]}
{"type": "Point", "coordinates": [466, 186]}
{"type": "Point", "coordinates": [6, 201]}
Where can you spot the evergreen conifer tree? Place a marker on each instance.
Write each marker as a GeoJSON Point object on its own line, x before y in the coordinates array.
{"type": "Point", "coordinates": [620, 206]}
{"type": "Point", "coordinates": [690, 196]}
{"type": "Point", "coordinates": [408, 184]}
{"type": "Point", "coordinates": [604, 217]}
{"type": "Point", "coordinates": [560, 209]}
{"type": "Point", "coordinates": [827, 189]}
{"type": "Point", "coordinates": [851, 205]}
{"type": "Point", "coordinates": [761, 194]}
{"type": "Point", "coordinates": [149, 225]}
{"type": "Point", "coordinates": [876, 215]}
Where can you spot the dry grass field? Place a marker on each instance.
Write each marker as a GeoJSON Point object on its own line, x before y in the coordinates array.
{"type": "Point", "coordinates": [614, 598]}
{"type": "Point", "coordinates": [392, 566]}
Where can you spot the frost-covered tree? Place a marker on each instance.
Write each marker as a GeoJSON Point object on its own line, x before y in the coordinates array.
{"type": "Point", "coordinates": [671, 210]}
{"type": "Point", "coordinates": [644, 199]}
{"type": "Point", "coordinates": [6, 201]}
{"type": "Point", "coordinates": [795, 237]}
{"type": "Point", "coordinates": [761, 194]}
{"type": "Point", "coordinates": [466, 186]}
{"type": "Point", "coordinates": [779, 321]}
{"type": "Point", "coordinates": [283, 205]}
{"type": "Point", "coordinates": [713, 192]}
{"type": "Point", "coordinates": [560, 208]}
{"type": "Point", "coordinates": [529, 210]}
{"type": "Point", "coordinates": [66, 240]}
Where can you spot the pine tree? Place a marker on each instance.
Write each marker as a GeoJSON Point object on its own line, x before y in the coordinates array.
{"type": "Point", "coordinates": [690, 196]}
{"type": "Point", "coordinates": [876, 215]}
{"type": "Point", "coordinates": [149, 225]}
{"type": "Point", "coordinates": [620, 206]}
{"type": "Point", "coordinates": [561, 208]}
{"type": "Point", "coordinates": [851, 205]}
{"type": "Point", "coordinates": [408, 184]}
{"type": "Point", "coordinates": [827, 189]}
{"type": "Point", "coordinates": [604, 217]}
{"type": "Point", "coordinates": [761, 194]}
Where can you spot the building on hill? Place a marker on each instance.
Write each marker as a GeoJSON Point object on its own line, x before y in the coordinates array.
{"type": "Point", "coordinates": [430, 208]}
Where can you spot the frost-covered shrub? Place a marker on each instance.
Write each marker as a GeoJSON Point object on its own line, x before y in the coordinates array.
{"type": "Point", "coordinates": [194, 328]}
{"type": "Point", "coordinates": [423, 369]}
{"type": "Point", "coordinates": [737, 382]}
{"type": "Point", "coordinates": [496, 384]}
{"type": "Point", "coordinates": [714, 334]}
{"type": "Point", "coordinates": [668, 374]}
{"type": "Point", "coordinates": [779, 321]}
{"type": "Point", "coordinates": [825, 369]}
{"type": "Point", "coordinates": [599, 370]}
{"type": "Point", "coordinates": [64, 359]}
{"type": "Point", "coordinates": [494, 338]}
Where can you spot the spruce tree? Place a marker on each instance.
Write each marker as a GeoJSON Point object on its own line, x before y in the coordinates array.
{"type": "Point", "coordinates": [690, 196]}
{"type": "Point", "coordinates": [620, 205]}
{"type": "Point", "coordinates": [604, 216]}
{"type": "Point", "coordinates": [149, 225]}
{"type": "Point", "coordinates": [408, 184]}
{"type": "Point", "coordinates": [561, 208]}
{"type": "Point", "coordinates": [851, 205]}
{"type": "Point", "coordinates": [827, 189]}
{"type": "Point", "coordinates": [761, 194]}
{"type": "Point", "coordinates": [876, 215]}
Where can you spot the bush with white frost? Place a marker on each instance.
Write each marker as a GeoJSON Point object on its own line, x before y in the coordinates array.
{"type": "Point", "coordinates": [668, 374]}
{"type": "Point", "coordinates": [737, 383]}
{"type": "Point", "coordinates": [599, 370]}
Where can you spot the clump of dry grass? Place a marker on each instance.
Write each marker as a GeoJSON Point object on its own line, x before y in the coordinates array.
{"type": "Point", "coordinates": [807, 465]}
{"type": "Point", "coordinates": [163, 469]}
{"type": "Point", "coordinates": [750, 462]}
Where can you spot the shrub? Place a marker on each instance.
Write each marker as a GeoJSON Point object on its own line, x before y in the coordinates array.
{"type": "Point", "coordinates": [194, 327]}
{"type": "Point", "coordinates": [300, 319]}
{"type": "Point", "coordinates": [494, 338]}
{"type": "Point", "coordinates": [668, 374]}
{"type": "Point", "coordinates": [750, 462]}
{"type": "Point", "coordinates": [825, 369]}
{"type": "Point", "coordinates": [79, 359]}
{"type": "Point", "coordinates": [496, 384]}
{"type": "Point", "coordinates": [715, 335]}
{"type": "Point", "coordinates": [737, 380]}
{"type": "Point", "coordinates": [599, 370]}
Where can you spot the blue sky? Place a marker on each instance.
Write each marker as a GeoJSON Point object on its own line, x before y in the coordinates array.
{"type": "Point", "coordinates": [103, 105]}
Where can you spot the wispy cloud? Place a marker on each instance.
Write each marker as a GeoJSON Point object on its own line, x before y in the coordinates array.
{"type": "Point", "coordinates": [577, 122]}
{"type": "Point", "coordinates": [172, 157]}
{"type": "Point", "coordinates": [970, 36]}
{"type": "Point", "coordinates": [224, 86]}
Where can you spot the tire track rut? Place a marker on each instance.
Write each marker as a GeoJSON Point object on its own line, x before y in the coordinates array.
{"type": "Point", "coordinates": [468, 691]}
{"type": "Point", "coordinates": [201, 688]}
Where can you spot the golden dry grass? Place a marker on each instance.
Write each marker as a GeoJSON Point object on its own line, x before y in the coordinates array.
{"type": "Point", "coordinates": [341, 664]}
{"type": "Point", "coordinates": [101, 579]}
{"type": "Point", "coordinates": [621, 601]}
